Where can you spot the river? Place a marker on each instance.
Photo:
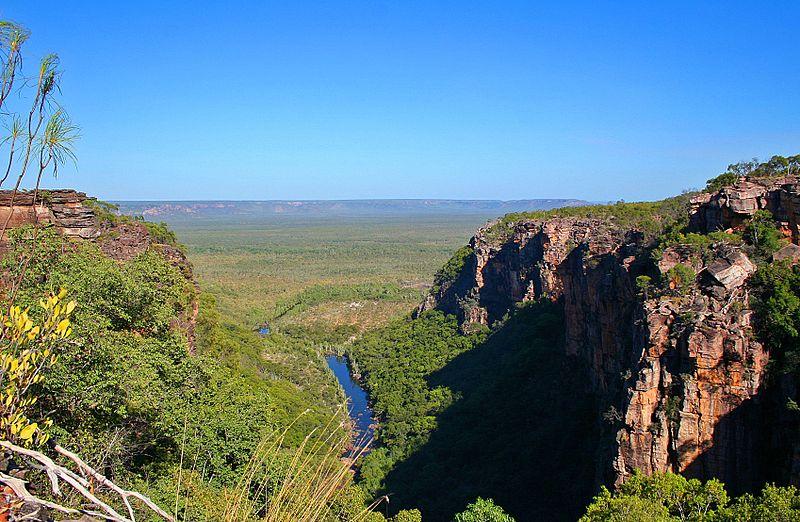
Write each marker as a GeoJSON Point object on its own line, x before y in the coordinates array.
{"type": "Point", "coordinates": [357, 402]}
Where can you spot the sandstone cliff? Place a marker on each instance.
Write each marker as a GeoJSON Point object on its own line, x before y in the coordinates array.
{"type": "Point", "coordinates": [677, 369]}
{"type": "Point", "coordinates": [76, 216]}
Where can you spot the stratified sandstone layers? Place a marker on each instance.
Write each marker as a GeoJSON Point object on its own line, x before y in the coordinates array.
{"type": "Point", "coordinates": [678, 372]}
{"type": "Point", "coordinates": [65, 209]}
{"type": "Point", "coordinates": [74, 215]}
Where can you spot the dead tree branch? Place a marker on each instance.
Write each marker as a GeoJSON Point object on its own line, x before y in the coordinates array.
{"type": "Point", "coordinates": [55, 472]}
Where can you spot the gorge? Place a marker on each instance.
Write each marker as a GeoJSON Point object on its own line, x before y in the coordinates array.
{"type": "Point", "coordinates": [652, 311]}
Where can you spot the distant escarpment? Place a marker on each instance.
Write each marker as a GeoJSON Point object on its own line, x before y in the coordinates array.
{"type": "Point", "coordinates": [660, 320]}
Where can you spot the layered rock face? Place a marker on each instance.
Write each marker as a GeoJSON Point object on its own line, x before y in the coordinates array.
{"type": "Point", "coordinates": [732, 206]}
{"type": "Point", "coordinates": [65, 209]}
{"type": "Point", "coordinates": [71, 213]}
{"type": "Point", "coordinates": [677, 371]}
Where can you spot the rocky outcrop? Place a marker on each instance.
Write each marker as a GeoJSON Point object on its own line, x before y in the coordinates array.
{"type": "Point", "coordinates": [697, 363]}
{"type": "Point", "coordinates": [73, 215]}
{"type": "Point", "coordinates": [65, 209]}
{"type": "Point", "coordinates": [676, 366]}
{"type": "Point", "coordinates": [732, 206]}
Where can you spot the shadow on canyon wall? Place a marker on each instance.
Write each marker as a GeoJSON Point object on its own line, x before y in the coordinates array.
{"type": "Point", "coordinates": [523, 431]}
{"type": "Point", "coordinates": [755, 444]}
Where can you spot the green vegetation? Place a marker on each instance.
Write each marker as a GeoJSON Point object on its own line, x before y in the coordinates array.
{"type": "Point", "coordinates": [105, 212]}
{"type": "Point", "coordinates": [160, 233]}
{"type": "Point", "coordinates": [701, 245]}
{"type": "Point", "coordinates": [474, 415]}
{"type": "Point", "coordinates": [255, 265]}
{"type": "Point", "coordinates": [452, 268]}
{"type": "Point", "coordinates": [681, 278]}
{"type": "Point", "coordinates": [482, 510]}
{"type": "Point", "coordinates": [651, 218]}
{"type": "Point", "coordinates": [669, 497]}
{"type": "Point", "coordinates": [127, 394]}
{"type": "Point", "coordinates": [396, 382]}
{"type": "Point", "coordinates": [315, 295]}
{"type": "Point", "coordinates": [723, 180]}
{"type": "Point", "coordinates": [763, 235]}
{"type": "Point", "coordinates": [318, 284]}
{"type": "Point", "coordinates": [777, 289]}
{"type": "Point", "coordinates": [775, 166]}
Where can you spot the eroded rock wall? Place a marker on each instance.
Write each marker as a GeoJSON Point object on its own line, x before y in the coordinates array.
{"type": "Point", "coordinates": [64, 209]}
{"type": "Point", "coordinates": [679, 372]}
{"type": "Point", "coordinates": [71, 213]}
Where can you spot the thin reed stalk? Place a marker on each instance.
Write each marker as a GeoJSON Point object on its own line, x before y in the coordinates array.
{"type": "Point", "coordinates": [300, 490]}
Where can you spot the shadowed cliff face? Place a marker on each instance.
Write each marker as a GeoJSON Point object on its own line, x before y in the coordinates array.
{"type": "Point", "coordinates": [680, 375]}
{"type": "Point", "coordinates": [513, 435]}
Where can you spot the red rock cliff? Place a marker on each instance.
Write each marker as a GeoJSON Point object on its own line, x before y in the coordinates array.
{"type": "Point", "coordinates": [678, 373]}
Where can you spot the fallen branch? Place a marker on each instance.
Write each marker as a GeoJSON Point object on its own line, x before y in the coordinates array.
{"type": "Point", "coordinates": [18, 487]}
{"type": "Point", "coordinates": [123, 493]}
{"type": "Point", "coordinates": [79, 483]}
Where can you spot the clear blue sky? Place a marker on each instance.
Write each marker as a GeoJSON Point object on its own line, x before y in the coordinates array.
{"type": "Point", "coordinates": [418, 99]}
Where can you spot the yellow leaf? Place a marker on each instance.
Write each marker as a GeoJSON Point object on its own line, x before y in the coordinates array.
{"type": "Point", "coordinates": [28, 431]}
{"type": "Point", "coordinates": [71, 306]}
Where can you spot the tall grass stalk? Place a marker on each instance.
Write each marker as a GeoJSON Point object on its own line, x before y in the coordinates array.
{"type": "Point", "coordinates": [305, 487]}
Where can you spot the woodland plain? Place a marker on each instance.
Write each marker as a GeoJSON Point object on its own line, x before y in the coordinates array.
{"type": "Point", "coordinates": [320, 274]}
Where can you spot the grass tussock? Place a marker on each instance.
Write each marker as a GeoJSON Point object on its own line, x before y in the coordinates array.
{"type": "Point", "coordinates": [298, 484]}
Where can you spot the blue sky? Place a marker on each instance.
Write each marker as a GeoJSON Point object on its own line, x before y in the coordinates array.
{"type": "Point", "coordinates": [417, 99]}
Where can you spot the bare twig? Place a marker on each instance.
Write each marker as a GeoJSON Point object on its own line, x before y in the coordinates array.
{"type": "Point", "coordinates": [18, 487]}
{"type": "Point", "coordinates": [125, 494]}
{"type": "Point", "coordinates": [80, 484]}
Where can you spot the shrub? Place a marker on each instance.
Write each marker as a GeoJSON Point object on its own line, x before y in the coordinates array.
{"type": "Point", "coordinates": [453, 267]}
{"type": "Point", "coordinates": [483, 511]}
{"type": "Point", "coordinates": [762, 233]}
{"type": "Point", "coordinates": [29, 347]}
{"type": "Point", "coordinates": [723, 180]}
{"type": "Point", "coordinates": [681, 278]}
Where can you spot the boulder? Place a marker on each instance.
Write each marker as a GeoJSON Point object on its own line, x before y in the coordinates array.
{"type": "Point", "coordinates": [731, 270]}
{"type": "Point", "coordinates": [790, 252]}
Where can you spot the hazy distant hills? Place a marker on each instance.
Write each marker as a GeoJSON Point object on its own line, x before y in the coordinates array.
{"type": "Point", "coordinates": [173, 209]}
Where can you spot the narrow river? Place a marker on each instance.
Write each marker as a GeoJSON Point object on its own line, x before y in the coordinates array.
{"type": "Point", "coordinates": [357, 402]}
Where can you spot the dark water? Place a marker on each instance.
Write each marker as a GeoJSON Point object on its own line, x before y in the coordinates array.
{"type": "Point", "coordinates": [357, 400]}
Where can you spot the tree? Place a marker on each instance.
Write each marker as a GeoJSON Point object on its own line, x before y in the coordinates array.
{"type": "Point", "coordinates": [608, 508]}
{"type": "Point", "coordinates": [762, 234]}
{"type": "Point", "coordinates": [734, 172]}
{"type": "Point", "coordinates": [40, 134]}
{"type": "Point", "coordinates": [483, 511]}
{"type": "Point", "coordinates": [643, 284]}
{"type": "Point", "coordinates": [774, 504]}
